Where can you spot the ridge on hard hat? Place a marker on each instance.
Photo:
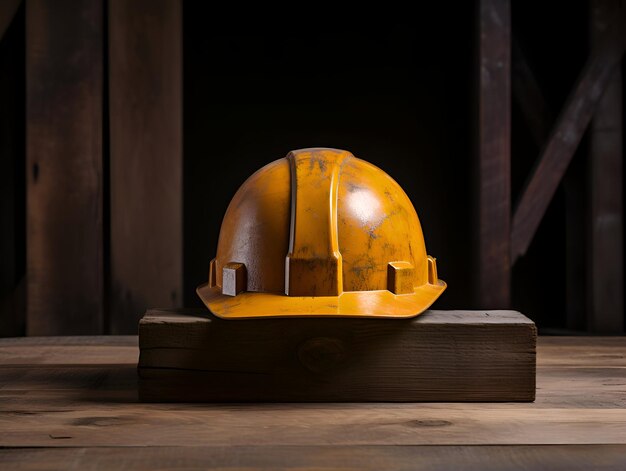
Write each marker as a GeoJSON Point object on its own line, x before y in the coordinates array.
{"type": "Point", "coordinates": [321, 233]}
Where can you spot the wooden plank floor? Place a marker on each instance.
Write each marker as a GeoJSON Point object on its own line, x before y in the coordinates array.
{"type": "Point", "coordinates": [71, 401]}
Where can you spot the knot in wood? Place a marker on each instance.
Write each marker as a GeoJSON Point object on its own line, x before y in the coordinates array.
{"type": "Point", "coordinates": [321, 354]}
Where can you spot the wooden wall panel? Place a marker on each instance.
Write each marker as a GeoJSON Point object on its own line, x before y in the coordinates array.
{"type": "Point", "coordinates": [145, 80]}
{"type": "Point", "coordinates": [64, 45]}
{"type": "Point", "coordinates": [605, 289]}
{"type": "Point", "coordinates": [494, 155]}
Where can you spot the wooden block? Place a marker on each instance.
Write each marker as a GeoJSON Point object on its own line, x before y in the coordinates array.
{"type": "Point", "coordinates": [464, 356]}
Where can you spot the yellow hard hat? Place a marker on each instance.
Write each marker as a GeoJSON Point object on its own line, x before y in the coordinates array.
{"type": "Point", "coordinates": [320, 233]}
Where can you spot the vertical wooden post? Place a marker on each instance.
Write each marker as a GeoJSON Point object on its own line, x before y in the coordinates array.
{"type": "Point", "coordinates": [494, 160]}
{"type": "Point", "coordinates": [145, 91]}
{"type": "Point", "coordinates": [64, 166]}
{"type": "Point", "coordinates": [605, 293]}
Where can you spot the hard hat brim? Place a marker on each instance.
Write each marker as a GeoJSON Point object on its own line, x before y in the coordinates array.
{"type": "Point", "coordinates": [377, 304]}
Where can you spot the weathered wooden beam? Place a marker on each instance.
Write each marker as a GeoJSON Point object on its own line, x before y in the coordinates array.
{"type": "Point", "coordinates": [494, 159]}
{"type": "Point", "coordinates": [8, 8]}
{"type": "Point", "coordinates": [195, 356]}
{"type": "Point", "coordinates": [145, 90]}
{"type": "Point", "coordinates": [605, 282]}
{"type": "Point", "coordinates": [564, 138]}
{"type": "Point", "coordinates": [64, 68]}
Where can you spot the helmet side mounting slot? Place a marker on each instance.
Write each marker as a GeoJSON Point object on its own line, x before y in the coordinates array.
{"type": "Point", "coordinates": [233, 278]}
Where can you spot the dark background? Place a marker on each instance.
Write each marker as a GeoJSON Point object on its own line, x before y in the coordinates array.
{"type": "Point", "coordinates": [392, 90]}
{"type": "Point", "coordinates": [395, 88]}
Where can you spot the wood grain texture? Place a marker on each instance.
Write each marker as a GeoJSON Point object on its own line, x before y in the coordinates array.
{"type": "Point", "coordinates": [51, 397]}
{"type": "Point", "coordinates": [414, 458]}
{"type": "Point", "coordinates": [145, 90]}
{"type": "Point", "coordinates": [565, 137]}
{"type": "Point", "coordinates": [576, 352]}
{"type": "Point", "coordinates": [494, 155]}
{"type": "Point", "coordinates": [438, 356]}
{"type": "Point", "coordinates": [64, 68]}
{"type": "Point", "coordinates": [605, 282]}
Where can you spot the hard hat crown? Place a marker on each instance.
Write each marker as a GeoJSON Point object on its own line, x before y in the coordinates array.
{"type": "Point", "coordinates": [323, 225]}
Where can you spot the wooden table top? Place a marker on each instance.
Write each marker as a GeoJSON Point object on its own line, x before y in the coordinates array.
{"type": "Point", "coordinates": [71, 402]}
